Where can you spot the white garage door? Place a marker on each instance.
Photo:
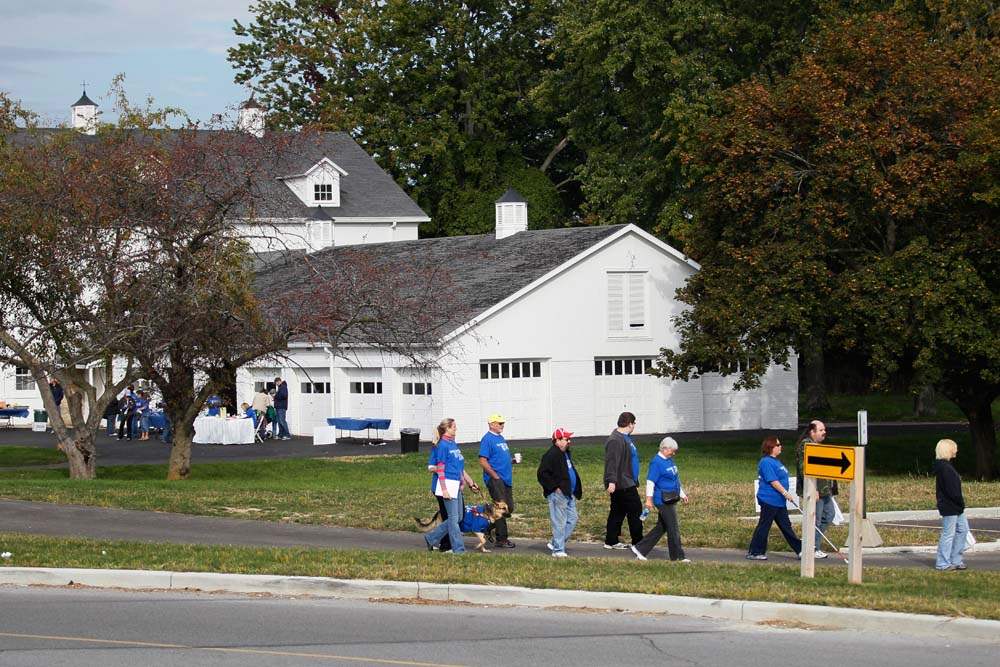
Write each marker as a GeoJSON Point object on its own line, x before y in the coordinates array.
{"type": "Point", "coordinates": [416, 407]}
{"type": "Point", "coordinates": [519, 390]}
{"type": "Point", "coordinates": [367, 396]}
{"type": "Point", "coordinates": [621, 385]}
{"type": "Point", "coordinates": [314, 399]}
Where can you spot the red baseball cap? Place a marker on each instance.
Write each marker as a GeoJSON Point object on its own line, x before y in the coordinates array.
{"type": "Point", "coordinates": [561, 433]}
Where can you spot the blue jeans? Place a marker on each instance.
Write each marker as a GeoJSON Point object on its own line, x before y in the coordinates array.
{"type": "Point", "coordinates": [771, 514]}
{"type": "Point", "coordinates": [112, 426]}
{"type": "Point", "coordinates": [168, 432]}
{"type": "Point", "coordinates": [824, 518]}
{"type": "Point", "coordinates": [562, 513]}
{"type": "Point", "coordinates": [456, 509]}
{"type": "Point", "coordinates": [144, 423]}
{"type": "Point", "coordinates": [952, 541]}
{"type": "Point", "coordinates": [280, 425]}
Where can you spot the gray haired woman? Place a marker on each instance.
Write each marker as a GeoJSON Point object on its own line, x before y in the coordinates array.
{"type": "Point", "coordinates": [664, 490]}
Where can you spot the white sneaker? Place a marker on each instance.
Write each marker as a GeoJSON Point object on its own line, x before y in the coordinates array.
{"type": "Point", "coordinates": [559, 554]}
{"type": "Point", "coordinates": [820, 553]}
{"type": "Point", "coordinates": [621, 546]}
{"type": "Point", "coordinates": [638, 555]}
{"type": "Point", "coordinates": [684, 560]}
{"type": "Point", "coordinates": [549, 545]}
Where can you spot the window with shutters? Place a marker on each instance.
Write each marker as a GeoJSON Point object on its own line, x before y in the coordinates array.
{"type": "Point", "coordinates": [320, 233]}
{"type": "Point", "coordinates": [627, 314]}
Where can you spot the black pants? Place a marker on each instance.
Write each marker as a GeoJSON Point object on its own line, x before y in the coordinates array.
{"type": "Point", "coordinates": [445, 543]}
{"type": "Point", "coordinates": [667, 523]}
{"type": "Point", "coordinates": [778, 515]}
{"type": "Point", "coordinates": [624, 503]}
{"type": "Point", "coordinates": [500, 491]}
{"type": "Point", "coordinates": [125, 426]}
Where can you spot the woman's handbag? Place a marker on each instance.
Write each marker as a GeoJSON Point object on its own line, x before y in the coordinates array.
{"type": "Point", "coordinates": [669, 497]}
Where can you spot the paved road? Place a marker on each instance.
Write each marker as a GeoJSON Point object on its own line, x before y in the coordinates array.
{"type": "Point", "coordinates": [43, 627]}
{"type": "Point", "coordinates": [112, 452]}
{"type": "Point", "coordinates": [115, 524]}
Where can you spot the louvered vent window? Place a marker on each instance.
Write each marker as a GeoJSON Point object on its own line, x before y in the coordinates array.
{"type": "Point", "coordinates": [626, 302]}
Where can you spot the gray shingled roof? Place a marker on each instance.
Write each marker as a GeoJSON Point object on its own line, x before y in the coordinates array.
{"type": "Point", "coordinates": [481, 270]}
{"type": "Point", "coordinates": [85, 101]}
{"type": "Point", "coordinates": [367, 191]}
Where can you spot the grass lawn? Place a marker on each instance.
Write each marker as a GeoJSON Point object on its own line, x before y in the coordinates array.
{"type": "Point", "coordinates": [385, 492]}
{"type": "Point", "coordinates": [970, 593]}
{"type": "Point", "coordinates": [29, 456]}
{"type": "Point", "coordinates": [884, 408]}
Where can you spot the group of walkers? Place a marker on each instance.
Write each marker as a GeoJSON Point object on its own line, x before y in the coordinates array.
{"type": "Point", "coordinates": [562, 487]}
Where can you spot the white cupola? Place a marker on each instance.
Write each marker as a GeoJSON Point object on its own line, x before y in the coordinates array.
{"type": "Point", "coordinates": [251, 118]}
{"type": "Point", "coordinates": [84, 115]}
{"type": "Point", "coordinates": [512, 214]}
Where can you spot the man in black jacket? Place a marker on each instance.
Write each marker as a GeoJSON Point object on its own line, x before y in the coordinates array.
{"type": "Point", "coordinates": [621, 474]}
{"type": "Point", "coordinates": [280, 430]}
{"type": "Point", "coordinates": [562, 487]}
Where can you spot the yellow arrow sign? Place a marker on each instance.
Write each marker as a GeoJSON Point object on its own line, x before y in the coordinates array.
{"type": "Point", "coordinates": [828, 461]}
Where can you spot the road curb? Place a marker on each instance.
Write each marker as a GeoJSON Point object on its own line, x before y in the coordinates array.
{"type": "Point", "coordinates": [730, 610]}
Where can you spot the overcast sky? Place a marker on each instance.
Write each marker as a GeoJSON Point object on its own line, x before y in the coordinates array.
{"type": "Point", "coordinates": [172, 50]}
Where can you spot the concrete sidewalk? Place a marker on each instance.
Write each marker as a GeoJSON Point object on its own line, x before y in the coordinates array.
{"type": "Point", "coordinates": [133, 525]}
{"type": "Point", "coordinates": [732, 610]}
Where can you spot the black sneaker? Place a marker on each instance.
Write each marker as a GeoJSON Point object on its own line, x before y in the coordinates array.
{"type": "Point", "coordinates": [506, 544]}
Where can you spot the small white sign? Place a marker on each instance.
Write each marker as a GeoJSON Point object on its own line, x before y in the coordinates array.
{"type": "Point", "coordinates": [862, 427]}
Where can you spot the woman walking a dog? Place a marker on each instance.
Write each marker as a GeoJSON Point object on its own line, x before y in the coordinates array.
{"type": "Point", "coordinates": [451, 477]}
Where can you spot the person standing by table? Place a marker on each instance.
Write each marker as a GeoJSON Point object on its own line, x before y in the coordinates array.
{"type": "Point", "coordinates": [562, 487]}
{"type": "Point", "coordinates": [498, 474]}
{"type": "Point", "coordinates": [451, 477]}
{"type": "Point", "coordinates": [142, 412]}
{"type": "Point", "coordinates": [261, 402]}
{"type": "Point", "coordinates": [664, 490]}
{"type": "Point", "coordinates": [772, 493]}
{"type": "Point", "coordinates": [126, 413]}
{"type": "Point", "coordinates": [111, 415]}
{"type": "Point", "coordinates": [951, 507]}
{"type": "Point", "coordinates": [281, 431]}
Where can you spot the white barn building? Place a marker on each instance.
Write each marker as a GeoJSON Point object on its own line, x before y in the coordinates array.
{"type": "Point", "coordinates": [551, 327]}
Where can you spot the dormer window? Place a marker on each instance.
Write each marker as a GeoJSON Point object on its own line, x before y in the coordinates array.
{"type": "Point", "coordinates": [319, 186]}
{"type": "Point", "coordinates": [323, 192]}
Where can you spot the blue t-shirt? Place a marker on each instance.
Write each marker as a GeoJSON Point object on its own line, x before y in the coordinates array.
{"type": "Point", "coordinates": [663, 474]}
{"type": "Point", "coordinates": [252, 414]}
{"type": "Point", "coordinates": [447, 452]}
{"type": "Point", "coordinates": [635, 457]}
{"type": "Point", "coordinates": [769, 470]}
{"type": "Point", "coordinates": [494, 448]}
{"type": "Point", "coordinates": [572, 473]}
{"type": "Point", "coordinates": [141, 404]}
{"type": "Point", "coordinates": [432, 462]}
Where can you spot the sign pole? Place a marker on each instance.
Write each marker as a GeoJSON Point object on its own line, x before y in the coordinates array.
{"type": "Point", "coordinates": [856, 511]}
{"type": "Point", "coordinates": [808, 556]}
{"type": "Point", "coordinates": [863, 442]}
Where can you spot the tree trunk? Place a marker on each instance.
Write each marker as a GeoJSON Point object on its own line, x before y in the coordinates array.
{"type": "Point", "coordinates": [812, 364]}
{"type": "Point", "coordinates": [180, 455]}
{"type": "Point", "coordinates": [925, 403]}
{"type": "Point", "coordinates": [984, 436]}
{"type": "Point", "coordinates": [81, 452]}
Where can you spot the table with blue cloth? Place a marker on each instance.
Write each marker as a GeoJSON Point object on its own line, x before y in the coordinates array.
{"type": "Point", "coordinates": [363, 424]}
{"type": "Point", "coordinates": [157, 420]}
{"type": "Point", "coordinates": [12, 413]}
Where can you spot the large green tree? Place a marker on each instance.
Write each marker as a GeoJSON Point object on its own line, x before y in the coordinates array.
{"type": "Point", "coordinates": [854, 202]}
{"type": "Point", "coordinates": [436, 91]}
{"type": "Point", "coordinates": [633, 79]}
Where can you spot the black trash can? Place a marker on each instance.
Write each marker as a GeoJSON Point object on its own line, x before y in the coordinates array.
{"type": "Point", "coordinates": [41, 416]}
{"type": "Point", "coordinates": [409, 440]}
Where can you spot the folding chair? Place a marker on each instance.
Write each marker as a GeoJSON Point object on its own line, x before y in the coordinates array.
{"type": "Point", "coordinates": [258, 423]}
